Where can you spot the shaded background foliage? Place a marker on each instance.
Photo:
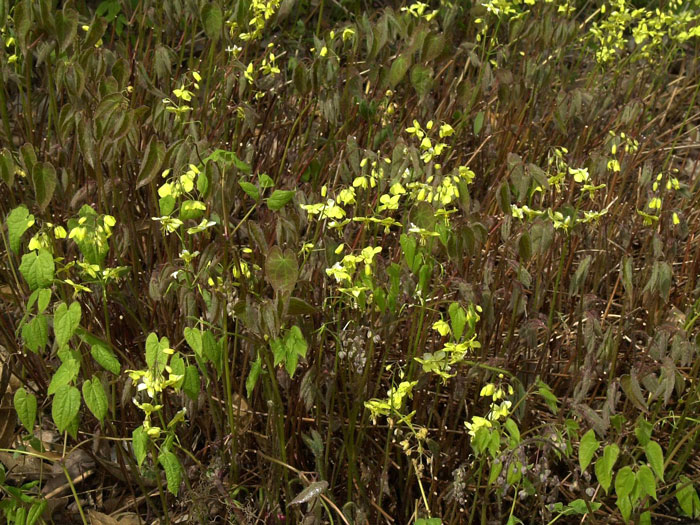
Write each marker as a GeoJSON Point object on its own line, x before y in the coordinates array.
{"type": "Point", "coordinates": [605, 315]}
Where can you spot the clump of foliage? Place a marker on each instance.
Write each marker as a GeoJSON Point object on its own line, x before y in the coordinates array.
{"type": "Point", "coordinates": [270, 261]}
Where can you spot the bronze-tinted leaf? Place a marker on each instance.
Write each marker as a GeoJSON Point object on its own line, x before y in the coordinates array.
{"type": "Point", "coordinates": [151, 163]}
{"type": "Point", "coordinates": [66, 23]}
{"type": "Point", "coordinates": [97, 29]}
{"type": "Point", "coordinates": [86, 142]}
{"type": "Point", "coordinates": [7, 168]}
{"type": "Point", "coordinates": [212, 20]}
{"type": "Point", "coordinates": [45, 181]}
{"type": "Point", "coordinates": [281, 269]}
{"type": "Point", "coordinates": [433, 45]}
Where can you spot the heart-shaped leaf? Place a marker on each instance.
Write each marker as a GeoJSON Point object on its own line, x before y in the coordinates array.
{"type": "Point", "coordinates": [65, 321]}
{"type": "Point", "coordinates": [95, 397]}
{"type": "Point", "coordinates": [66, 403]}
{"type": "Point", "coordinates": [18, 221]}
{"type": "Point", "coordinates": [25, 405]}
{"type": "Point", "coordinates": [279, 199]}
{"type": "Point", "coordinates": [37, 268]}
{"type": "Point", "coordinates": [282, 269]}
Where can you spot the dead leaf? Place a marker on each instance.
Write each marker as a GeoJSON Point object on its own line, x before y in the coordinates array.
{"type": "Point", "coordinates": [129, 518]}
{"type": "Point", "coordinates": [97, 518]}
{"type": "Point", "coordinates": [22, 467]}
{"type": "Point", "coordinates": [314, 490]}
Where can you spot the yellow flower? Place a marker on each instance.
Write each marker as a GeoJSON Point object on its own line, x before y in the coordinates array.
{"type": "Point", "coordinates": [477, 423]}
{"type": "Point", "coordinates": [441, 327]}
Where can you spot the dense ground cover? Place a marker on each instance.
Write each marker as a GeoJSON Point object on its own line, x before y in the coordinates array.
{"type": "Point", "coordinates": [343, 262]}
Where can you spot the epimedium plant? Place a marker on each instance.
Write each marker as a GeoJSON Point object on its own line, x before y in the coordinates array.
{"type": "Point", "coordinates": [38, 267]}
{"type": "Point", "coordinates": [312, 200]}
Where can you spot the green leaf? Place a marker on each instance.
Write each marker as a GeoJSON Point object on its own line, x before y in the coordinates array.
{"type": "Point", "coordinates": [587, 448]}
{"type": "Point", "coordinates": [514, 431]}
{"type": "Point", "coordinates": [399, 68]}
{"type": "Point", "coordinates": [212, 20]}
{"type": "Point", "coordinates": [458, 319]}
{"type": "Point", "coordinates": [156, 355]}
{"type": "Point", "coordinates": [423, 215]}
{"type": "Point", "coordinates": [191, 384]}
{"type": "Point", "coordinates": [45, 182]}
{"type": "Point", "coordinates": [191, 209]}
{"type": "Point", "coordinates": [655, 457]}
{"type": "Point", "coordinates": [496, 468]}
{"type": "Point", "coordinates": [37, 268]}
{"type": "Point", "coordinates": [625, 506]}
{"type": "Point", "coordinates": [18, 221]}
{"type": "Point", "coordinates": [643, 431]}
{"type": "Point", "coordinates": [579, 506]}
{"type": "Point", "coordinates": [646, 480]}
{"type": "Point", "coordinates": [288, 349]}
{"type": "Point", "coordinates": [265, 181]}
{"type": "Point", "coordinates": [250, 189]}
{"type": "Point", "coordinates": [408, 247]}
{"type": "Point", "coordinates": [605, 464]}
{"type": "Point", "coordinates": [104, 357]}
{"type": "Point", "coordinates": [279, 199]}
{"type": "Point", "coordinates": [624, 482]}
{"type": "Point", "coordinates": [296, 346]}
{"type": "Point", "coordinates": [298, 306]}
{"type": "Point", "coordinates": [513, 470]}
{"type": "Point", "coordinates": [166, 205]}
{"type": "Point", "coordinates": [281, 269]}
{"type": "Point", "coordinates": [66, 321]}
{"type": "Point", "coordinates": [44, 299]}
{"type": "Point", "coordinates": [645, 518]}
{"type": "Point", "coordinates": [95, 397]}
{"type": "Point", "coordinates": [25, 406]}
{"type": "Point", "coordinates": [139, 440]}
{"type": "Point", "coordinates": [549, 397]}
{"type": "Point", "coordinates": [65, 375]}
{"type": "Point", "coordinates": [478, 123]}
{"type": "Point", "coordinates": [178, 366]}
{"type": "Point", "coordinates": [20, 517]}
{"type": "Point", "coordinates": [300, 78]}
{"type": "Point", "coordinates": [687, 497]}
{"type": "Point", "coordinates": [279, 352]}
{"type": "Point", "coordinates": [173, 470]}
{"type": "Point", "coordinates": [212, 350]}
{"type": "Point", "coordinates": [36, 333]}
{"type": "Point", "coordinates": [203, 183]}
{"type": "Point", "coordinates": [35, 511]}
{"type": "Point", "coordinates": [422, 79]}
{"type": "Point", "coordinates": [194, 339]}
{"type": "Point", "coordinates": [253, 375]}
{"type": "Point", "coordinates": [65, 406]}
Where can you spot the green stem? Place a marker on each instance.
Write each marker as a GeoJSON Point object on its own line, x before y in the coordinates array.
{"type": "Point", "coordinates": [75, 494]}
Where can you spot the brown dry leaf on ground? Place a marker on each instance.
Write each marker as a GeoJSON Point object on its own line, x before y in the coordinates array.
{"type": "Point", "coordinates": [98, 518]}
